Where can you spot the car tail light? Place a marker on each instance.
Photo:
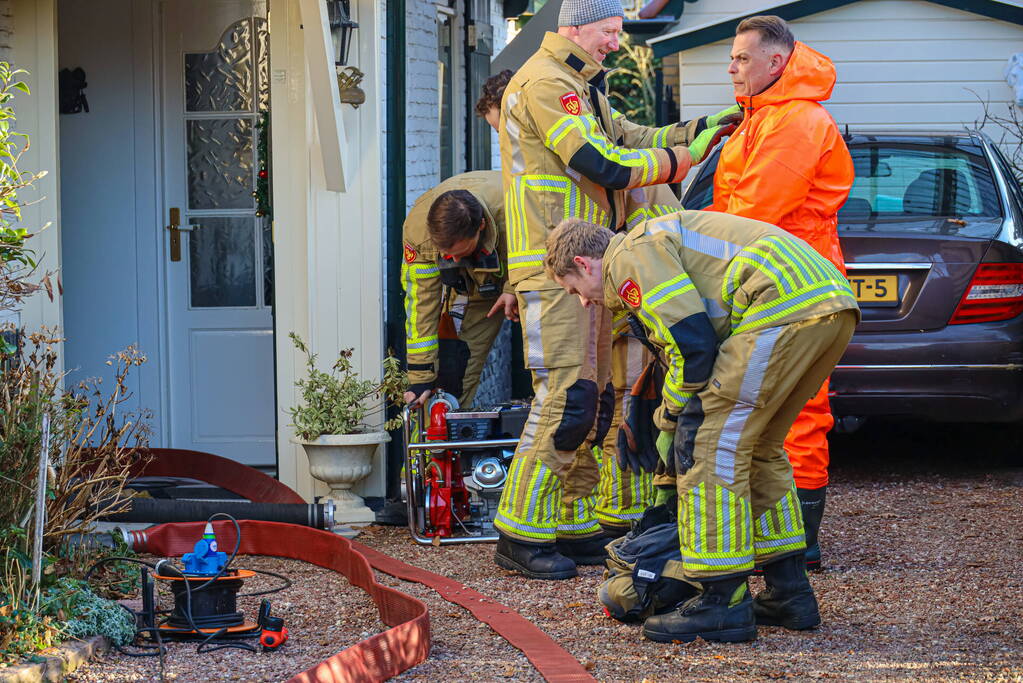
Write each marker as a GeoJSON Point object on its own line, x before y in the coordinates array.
{"type": "Point", "coordinates": [994, 293]}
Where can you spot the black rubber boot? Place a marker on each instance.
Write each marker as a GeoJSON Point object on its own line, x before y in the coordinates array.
{"type": "Point", "coordinates": [788, 599]}
{"type": "Point", "coordinates": [586, 550]}
{"type": "Point", "coordinates": [811, 501]}
{"type": "Point", "coordinates": [722, 611]}
{"type": "Point", "coordinates": [535, 560]}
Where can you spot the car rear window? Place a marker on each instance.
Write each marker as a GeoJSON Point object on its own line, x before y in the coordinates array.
{"type": "Point", "coordinates": [895, 184]}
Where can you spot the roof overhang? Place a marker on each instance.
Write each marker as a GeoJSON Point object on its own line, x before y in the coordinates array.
{"type": "Point", "coordinates": [722, 29]}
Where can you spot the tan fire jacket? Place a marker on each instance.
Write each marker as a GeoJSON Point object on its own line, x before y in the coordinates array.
{"type": "Point", "coordinates": [424, 270]}
{"type": "Point", "coordinates": [566, 153]}
{"type": "Point", "coordinates": [696, 277]}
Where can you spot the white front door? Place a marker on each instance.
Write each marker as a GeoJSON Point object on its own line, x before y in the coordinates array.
{"type": "Point", "coordinates": [219, 265]}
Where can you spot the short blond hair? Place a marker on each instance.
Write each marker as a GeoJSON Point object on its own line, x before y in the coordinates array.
{"type": "Point", "coordinates": [574, 237]}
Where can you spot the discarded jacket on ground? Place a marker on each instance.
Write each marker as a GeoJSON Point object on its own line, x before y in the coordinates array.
{"type": "Point", "coordinates": [644, 569]}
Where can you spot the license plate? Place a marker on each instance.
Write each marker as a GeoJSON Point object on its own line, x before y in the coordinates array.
{"type": "Point", "coordinates": [875, 289]}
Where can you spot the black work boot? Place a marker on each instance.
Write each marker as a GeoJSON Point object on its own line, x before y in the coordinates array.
{"type": "Point", "coordinates": [811, 501]}
{"type": "Point", "coordinates": [722, 611]}
{"type": "Point", "coordinates": [788, 599]}
{"type": "Point", "coordinates": [585, 550]}
{"type": "Point", "coordinates": [535, 560]}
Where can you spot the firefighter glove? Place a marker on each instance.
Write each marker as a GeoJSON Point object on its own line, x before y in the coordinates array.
{"type": "Point", "coordinates": [725, 117]}
{"type": "Point", "coordinates": [705, 141]}
{"type": "Point", "coordinates": [664, 442]}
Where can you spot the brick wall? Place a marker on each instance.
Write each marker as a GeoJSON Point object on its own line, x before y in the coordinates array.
{"type": "Point", "coordinates": [422, 132]}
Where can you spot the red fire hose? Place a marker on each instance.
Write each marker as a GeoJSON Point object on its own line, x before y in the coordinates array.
{"type": "Point", "coordinates": [407, 642]}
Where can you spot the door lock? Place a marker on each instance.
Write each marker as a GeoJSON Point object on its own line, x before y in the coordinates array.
{"type": "Point", "coordinates": [176, 229]}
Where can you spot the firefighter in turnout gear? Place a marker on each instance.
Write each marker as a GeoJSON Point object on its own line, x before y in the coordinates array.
{"type": "Point", "coordinates": [788, 165]}
{"type": "Point", "coordinates": [566, 152]}
{"type": "Point", "coordinates": [752, 320]}
{"type": "Point", "coordinates": [454, 239]}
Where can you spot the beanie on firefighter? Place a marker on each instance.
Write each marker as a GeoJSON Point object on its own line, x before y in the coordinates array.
{"type": "Point", "coordinates": [579, 12]}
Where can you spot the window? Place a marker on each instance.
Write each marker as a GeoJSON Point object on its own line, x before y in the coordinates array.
{"type": "Point", "coordinates": [445, 90]}
{"type": "Point", "coordinates": [896, 183]}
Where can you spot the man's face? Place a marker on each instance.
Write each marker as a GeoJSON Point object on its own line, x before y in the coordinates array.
{"type": "Point", "coordinates": [585, 282]}
{"type": "Point", "coordinates": [463, 248]}
{"type": "Point", "coordinates": [599, 38]}
{"type": "Point", "coordinates": [754, 66]}
{"type": "Point", "coordinates": [493, 117]}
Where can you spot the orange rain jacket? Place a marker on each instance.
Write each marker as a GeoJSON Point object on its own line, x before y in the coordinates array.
{"type": "Point", "coordinates": [787, 163]}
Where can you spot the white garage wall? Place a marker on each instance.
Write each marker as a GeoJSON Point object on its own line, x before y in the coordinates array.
{"type": "Point", "coordinates": [901, 63]}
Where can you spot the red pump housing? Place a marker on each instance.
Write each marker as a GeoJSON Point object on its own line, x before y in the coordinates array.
{"type": "Point", "coordinates": [447, 500]}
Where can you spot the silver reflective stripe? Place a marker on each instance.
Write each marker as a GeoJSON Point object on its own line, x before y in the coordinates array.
{"type": "Point", "coordinates": [511, 127]}
{"type": "Point", "coordinates": [529, 430]}
{"type": "Point", "coordinates": [774, 543]}
{"type": "Point", "coordinates": [534, 358]}
{"type": "Point", "coordinates": [696, 241]}
{"type": "Point", "coordinates": [720, 561]}
{"type": "Point", "coordinates": [731, 431]}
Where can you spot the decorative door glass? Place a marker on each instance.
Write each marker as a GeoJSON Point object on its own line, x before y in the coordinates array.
{"type": "Point", "coordinates": [227, 95]}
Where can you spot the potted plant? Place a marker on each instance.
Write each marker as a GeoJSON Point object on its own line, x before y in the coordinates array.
{"type": "Point", "coordinates": [329, 423]}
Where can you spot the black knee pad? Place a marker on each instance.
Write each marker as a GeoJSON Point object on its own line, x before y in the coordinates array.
{"type": "Point", "coordinates": [578, 416]}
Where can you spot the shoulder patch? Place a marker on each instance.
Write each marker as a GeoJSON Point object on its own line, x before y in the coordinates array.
{"type": "Point", "coordinates": [631, 293]}
{"type": "Point", "coordinates": [410, 254]}
{"type": "Point", "coordinates": [570, 103]}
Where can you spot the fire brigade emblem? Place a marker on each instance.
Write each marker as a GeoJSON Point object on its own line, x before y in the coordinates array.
{"type": "Point", "coordinates": [630, 293]}
{"type": "Point", "coordinates": [570, 103]}
{"type": "Point", "coordinates": [410, 254]}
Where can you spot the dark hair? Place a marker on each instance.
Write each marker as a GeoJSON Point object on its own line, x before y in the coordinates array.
{"type": "Point", "coordinates": [772, 30]}
{"type": "Point", "coordinates": [493, 91]}
{"type": "Point", "coordinates": [454, 216]}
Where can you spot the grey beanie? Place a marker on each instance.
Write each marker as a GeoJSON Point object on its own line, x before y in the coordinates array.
{"type": "Point", "coordinates": [579, 12]}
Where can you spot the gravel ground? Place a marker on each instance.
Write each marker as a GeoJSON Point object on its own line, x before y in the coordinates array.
{"type": "Point", "coordinates": [923, 544]}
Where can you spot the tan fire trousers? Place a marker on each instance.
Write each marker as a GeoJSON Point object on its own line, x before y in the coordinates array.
{"type": "Point", "coordinates": [551, 486]}
{"type": "Point", "coordinates": [738, 504]}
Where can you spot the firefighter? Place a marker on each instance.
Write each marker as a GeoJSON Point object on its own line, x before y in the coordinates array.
{"type": "Point", "coordinates": [454, 238]}
{"type": "Point", "coordinates": [788, 165]}
{"type": "Point", "coordinates": [566, 152]}
{"type": "Point", "coordinates": [752, 321]}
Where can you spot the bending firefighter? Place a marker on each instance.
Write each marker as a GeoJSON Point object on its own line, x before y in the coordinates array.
{"type": "Point", "coordinates": [454, 243]}
{"type": "Point", "coordinates": [751, 320]}
{"type": "Point", "coordinates": [565, 152]}
{"type": "Point", "coordinates": [788, 165]}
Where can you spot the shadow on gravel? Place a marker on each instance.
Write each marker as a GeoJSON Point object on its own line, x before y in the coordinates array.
{"type": "Point", "coordinates": [889, 448]}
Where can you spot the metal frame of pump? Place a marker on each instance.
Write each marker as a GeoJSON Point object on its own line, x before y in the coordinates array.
{"type": "Point", "coordinates": [437, 498]}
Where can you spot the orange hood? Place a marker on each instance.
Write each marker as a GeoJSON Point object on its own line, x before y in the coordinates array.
{"type": "Point", "coordinates": [809, 75]}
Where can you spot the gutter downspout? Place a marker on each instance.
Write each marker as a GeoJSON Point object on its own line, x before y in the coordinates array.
{"type": "Point", "coordinates": [395, 213]}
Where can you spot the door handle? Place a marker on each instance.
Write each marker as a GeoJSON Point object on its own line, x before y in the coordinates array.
{"type": "Point", "coordinates": [176, 229]}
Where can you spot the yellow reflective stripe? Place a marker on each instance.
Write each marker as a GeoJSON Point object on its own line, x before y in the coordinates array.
{"type": "Point", "coordinates": [586, 126]}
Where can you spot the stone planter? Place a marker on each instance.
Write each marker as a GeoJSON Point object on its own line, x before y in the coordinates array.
{"type": "Point", "coordinates": [341, 461]}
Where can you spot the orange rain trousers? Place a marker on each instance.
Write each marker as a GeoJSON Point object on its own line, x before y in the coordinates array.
{"type": "Point", "coordinates": [788, 165]}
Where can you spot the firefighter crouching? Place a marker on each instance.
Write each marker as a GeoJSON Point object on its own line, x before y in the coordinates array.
{"type": "Point", "coordinates": [454, 239]}
{"type": "Point", "coordinates": [752, 320]}
{"type": "Point", "coordinates": [565, 153]}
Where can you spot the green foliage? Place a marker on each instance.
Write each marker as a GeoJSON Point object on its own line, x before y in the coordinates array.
{"type": "Point", "coordinates": [12, 146]}
{"type": "Point", "coordinates": [94, 445]}
{"type": "Point", "coordinates": [338, 401]}
{"type": "Point", "coordinates": [631, 81]}
{"type": "Point", "coordinates": [92, 615]}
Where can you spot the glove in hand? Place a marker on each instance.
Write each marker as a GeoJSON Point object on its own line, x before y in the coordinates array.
{"type": "Point", "coordinates": [725, 117]}
{"type": "Point", "coordinates": [664, 442]}
{"type": "Point", "coordinates": [637, 451]}
{"type": "Point", "coordinates": [706, 141]}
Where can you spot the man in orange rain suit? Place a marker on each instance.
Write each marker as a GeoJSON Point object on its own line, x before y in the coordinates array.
{"type": "Point", "coordinates": [788, 165]}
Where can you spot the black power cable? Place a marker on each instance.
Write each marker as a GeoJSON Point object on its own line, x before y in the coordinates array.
{"type": "Point", "coordinates": [191, 624]}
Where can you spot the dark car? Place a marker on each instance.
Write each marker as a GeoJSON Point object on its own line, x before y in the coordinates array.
{"type": "Point", "coordinates": [933, 239]}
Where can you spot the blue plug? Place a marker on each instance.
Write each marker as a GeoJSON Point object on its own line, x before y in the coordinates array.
{"type": "Point", "coordinates": [204, 558]}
